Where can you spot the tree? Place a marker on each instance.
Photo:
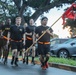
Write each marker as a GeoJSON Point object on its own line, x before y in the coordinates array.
{"type": "Point", "coordinates": [7, 9]}
{"type": "Point", "coordinates": [21, 7]}
{"type": "Point", "coordinates": [72, 26]}
{"type": "Point", "coordinates": [71, 23]}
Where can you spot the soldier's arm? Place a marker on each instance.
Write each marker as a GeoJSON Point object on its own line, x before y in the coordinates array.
{"type": "Point", "coordinates": [28, 33]}
{"type": "Point", "coordinates": [24, 38]}
{"type": "Point", "coordinates": [1, 32]}
{"type": "Point", "coordinates": [50, 33]}
{"type": "Point", "coordinates": [8, 36]}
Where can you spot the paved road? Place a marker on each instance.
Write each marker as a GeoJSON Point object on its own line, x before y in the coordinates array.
{"type": "Point", "coordinates": [30, 69]}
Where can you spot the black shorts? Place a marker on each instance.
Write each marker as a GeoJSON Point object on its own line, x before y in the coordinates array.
{"type": "Point", "coordinates": [28, 43]}
{"type": "Point", "coordinates": [43, 49]}
{"type": "Point", "coordinates": [16, 45]}
{"type": "Point", "coordinates": [3, 42]}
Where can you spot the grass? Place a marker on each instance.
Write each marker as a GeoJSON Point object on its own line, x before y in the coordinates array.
{"type": "Point", "coordinates": [68, 61]}
{"type": "Point", "coordinates": [63, 61]}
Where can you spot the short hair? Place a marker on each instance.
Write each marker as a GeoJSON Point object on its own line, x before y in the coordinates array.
{"type": "Point", "coordinates": [44, 18]}
{"type": "Point", "coordinates": [18, 17]}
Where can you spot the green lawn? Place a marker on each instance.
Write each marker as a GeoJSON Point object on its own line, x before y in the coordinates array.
{"type": "Point", "coordinates": [63, 61]}
{"type": "Point", "coordinates": [60, 61]}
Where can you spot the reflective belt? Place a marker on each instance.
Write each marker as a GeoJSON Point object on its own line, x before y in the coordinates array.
{"type": "Point", "coordinates": [4, 37]}
{"type": "Point", "coordinates": [16, 40]}
{"type": "Point", "coordinates": [28, 38]}
{"type": "Point", "coordinates": [44, 42]}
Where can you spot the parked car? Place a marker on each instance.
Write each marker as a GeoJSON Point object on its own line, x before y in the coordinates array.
{"type": "Point", "coordinates": [66, 49]}
{"type": "Point", "coordinates": [57, 41]}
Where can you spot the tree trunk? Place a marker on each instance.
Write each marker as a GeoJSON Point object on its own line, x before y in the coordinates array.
{"type": "Point", "coordinates": [36, 14]}
{"type": "Point", "coordinates": [43, 9]}
{"type": "Point", "coordinates": [21, 9]}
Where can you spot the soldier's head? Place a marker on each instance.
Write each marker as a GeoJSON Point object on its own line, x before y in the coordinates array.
{"type": "Point", "coordinates": [44, 21]}
{"type": "Point", "coordinates": [25, 25]}
{"type": "Point", "coordinates": [3, 23]}
{"type": "Point", "coordinates": [18, 20]}
{"type": "Point", "coordinates": [8, 21]}
{"type": "Point", "coordinates": [31, 21]}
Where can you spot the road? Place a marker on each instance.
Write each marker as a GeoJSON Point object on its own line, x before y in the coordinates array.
{"type": "Point", "coordinates": [30, 69]}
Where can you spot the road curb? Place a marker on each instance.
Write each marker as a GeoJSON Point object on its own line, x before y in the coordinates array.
{"type": "Point", "coordinates": [60, 66]}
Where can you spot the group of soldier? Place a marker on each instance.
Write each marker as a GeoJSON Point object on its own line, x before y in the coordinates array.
{"type": "Point", "coordinates": [21, 37]}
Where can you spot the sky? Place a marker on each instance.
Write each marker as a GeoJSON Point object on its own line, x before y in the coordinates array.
{"type": "Point", "coordinates": [53, 15]}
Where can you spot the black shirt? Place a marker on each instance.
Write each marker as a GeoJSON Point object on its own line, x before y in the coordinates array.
{"type": "Point", "coordinates": [30, 29]}
{"type": "Point", "coordinates": [46, 36]}
{"type": "Point", "coordinates": [5, 29]}
{"type": "Point", "coordinates": [17, 32]}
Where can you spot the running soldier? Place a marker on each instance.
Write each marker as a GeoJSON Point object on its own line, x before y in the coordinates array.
{"type": "Point", "coordinates": [16, 34]}
{"type": "Point", "coordinates": [44, 42]}
{"type": "Point", "coordinates": [5, 29]}
{"type": "Point", "coordinates": [30, 38]}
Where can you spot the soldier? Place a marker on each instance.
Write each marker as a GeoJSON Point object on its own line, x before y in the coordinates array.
{"type": "Point", "coordinates": [25, 25]}
{"type": "Point", "coordinates": [16, 34]}
{"type": "Point", "coordinates": [30, 38]}
{"type": "Point", "coordinates": [0, 41]}
{"type": "Point", "coordinates": [44, 42]}
{"type": "Point", "coordinates": [5, 29]}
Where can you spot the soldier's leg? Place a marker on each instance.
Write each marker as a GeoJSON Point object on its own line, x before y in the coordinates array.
{"type": "Point", "coordinates": [28, 44]}
{"type": "Point", "coordinates": [0, 52]}
{"type": "Point", "coordinates": [27, 54]}
{"type": "Point", "coordinates": [14, 52]}
{"type": "Point", "coordinates": [16, 57]}
{"type": "Point", "coordinates": [23, 55]}
{"type": "Point", "coordinates": [33, 54]}
{"type": "Point", "coordinates": [5, 53]}
{"type": "Point", "coordinates": [19, 47]}
{"type": "Point", "coordinates": [47, 52]}
{"type": "Point", "coordinates": [46, 60]}
{"type": "Point", "coordinates": [42, 60]}
{"type": "Point", "coordinates": [5, 56]}
{"type": "Point", "coordinates": [41, 51]}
